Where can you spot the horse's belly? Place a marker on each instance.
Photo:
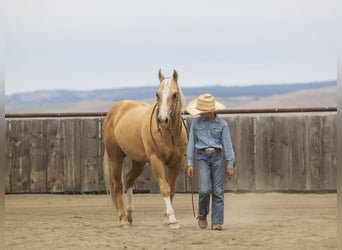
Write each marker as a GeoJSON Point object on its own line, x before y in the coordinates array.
{"type": "Point", "coordinates": [128, 135]}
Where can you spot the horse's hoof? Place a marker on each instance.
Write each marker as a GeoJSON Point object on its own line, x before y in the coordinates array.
{"type": "Point", "coordinates": [174, 225]}
{"type": "Point", "coordinates": [129, 215]}
{"type": "Point", "coordinates": [166, 221]}
{"type": "Point", "coordinates": [125, 225]}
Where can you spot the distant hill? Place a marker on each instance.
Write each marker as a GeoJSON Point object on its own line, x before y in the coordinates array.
{"type": "Point", "coordinates": [321, 97]}
{"type": "Point", "coordinates": [235, 96]}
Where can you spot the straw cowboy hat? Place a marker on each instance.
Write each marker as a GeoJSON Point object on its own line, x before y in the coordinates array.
{"type": "Point", "coordinates": [203, 104]}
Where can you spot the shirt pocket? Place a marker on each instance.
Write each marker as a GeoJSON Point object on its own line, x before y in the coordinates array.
{"type": "Point", "coordinates": [215, 132]}
{"type": "Point", "coordinates": [202, 132]}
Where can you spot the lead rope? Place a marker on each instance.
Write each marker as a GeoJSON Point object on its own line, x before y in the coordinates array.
{"type": "Point", "coordinates": [192, 198]}
{"type": "Point", "coordinates": [191, 182]}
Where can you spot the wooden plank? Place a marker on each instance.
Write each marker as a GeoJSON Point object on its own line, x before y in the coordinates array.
{"type": "Point", "coordinates": [89, 155]}
{"type": "Point", "coordinates": [313, 154]}
{"type": "Point", "coordinates": [241, 129]}
{"type": "Point", "coordinates": [263, 161]}
{"type": "Point", "coordinates": [20, 150]}
{"type": "Point", "coordinates": [297, 168]}
{"type": "Point", "coordinates": [329, 152]}
{"type": "Point", "coordinates": [272, 153]}
{"type": "Point", "coordinates": [72, 155]}
{"type": "Point", "coordinates": [8, 155]}
{"type": "Point", "coordinates": [38, 162]}
{"type": "Point", "coordinates": [279, 152]}
{"type": "Point", "coordinates": [101, 149]}
{"type": "Point", "coordinates": [55, 155]}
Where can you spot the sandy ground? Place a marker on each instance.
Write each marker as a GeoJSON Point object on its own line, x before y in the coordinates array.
{"type": "Point", "coordinates": [252, 221]}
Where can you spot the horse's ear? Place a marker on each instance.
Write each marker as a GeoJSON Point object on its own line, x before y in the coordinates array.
{"type": "Point", "coordinates": [175, 75]}
{"type": "Point", "coordinates": [161, 76]}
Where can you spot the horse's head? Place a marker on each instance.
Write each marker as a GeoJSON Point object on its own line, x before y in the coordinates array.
{"type": "Point", "coordinates": [169, 98]}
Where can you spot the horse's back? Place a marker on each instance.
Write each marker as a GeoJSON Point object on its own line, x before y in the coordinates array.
{"type": "Point", "coordinates": [123, 108]}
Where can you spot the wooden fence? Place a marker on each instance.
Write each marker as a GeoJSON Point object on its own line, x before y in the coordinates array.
{"type": "Point", "coordinates": [274, 152]}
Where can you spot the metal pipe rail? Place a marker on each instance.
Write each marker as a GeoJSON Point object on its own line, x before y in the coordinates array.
{"type": "Point", "coordinates": [224, 111]}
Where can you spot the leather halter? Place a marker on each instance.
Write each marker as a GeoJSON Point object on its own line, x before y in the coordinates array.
{"type": "Point", "coordinates": [172, 112]}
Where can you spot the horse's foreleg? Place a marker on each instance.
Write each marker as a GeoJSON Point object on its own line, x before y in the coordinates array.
{"type": "Point", "coordinates": [159, 173]}
{"type": "Point", "coordinates": [173, 174]}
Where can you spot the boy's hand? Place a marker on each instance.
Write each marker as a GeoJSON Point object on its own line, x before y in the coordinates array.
{"type": "Point", "coordinates": [190, 171]}
{"type": "Point", "coordinates": [229, 173]}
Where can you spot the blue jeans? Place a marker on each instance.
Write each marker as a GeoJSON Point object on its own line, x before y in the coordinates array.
{"type": "Point", "coordinates": [211, 174]}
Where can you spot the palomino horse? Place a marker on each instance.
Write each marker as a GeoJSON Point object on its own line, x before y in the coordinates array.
{"type": "Point", "coordinates": [146, 133]}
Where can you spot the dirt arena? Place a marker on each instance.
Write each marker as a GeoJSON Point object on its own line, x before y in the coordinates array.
{"type": "Point", "coordinates": [252, 221]}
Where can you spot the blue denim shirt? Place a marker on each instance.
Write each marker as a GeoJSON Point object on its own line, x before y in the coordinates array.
{"type": "Point", "coordinates": [205, 134]}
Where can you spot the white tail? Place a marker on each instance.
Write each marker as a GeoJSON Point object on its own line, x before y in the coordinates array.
{"type": "Point", "coordinates": [107, 171]}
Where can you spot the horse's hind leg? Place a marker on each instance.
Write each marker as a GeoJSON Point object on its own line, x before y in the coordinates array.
{"type": "Point", "coordinates": [132, 175]}
{"type": "Point", "coordinates": [117, 187]}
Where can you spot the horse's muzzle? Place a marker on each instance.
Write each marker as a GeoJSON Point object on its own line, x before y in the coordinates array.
{"type": "Point", "coordinates": [163, 121]}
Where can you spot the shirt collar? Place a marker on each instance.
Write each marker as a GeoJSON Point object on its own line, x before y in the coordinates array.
{"type": "Point", "coordinates": [204, 119]}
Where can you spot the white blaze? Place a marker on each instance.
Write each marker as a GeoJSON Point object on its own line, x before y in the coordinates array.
{"type": "Point", "coordinates": [163, 109]}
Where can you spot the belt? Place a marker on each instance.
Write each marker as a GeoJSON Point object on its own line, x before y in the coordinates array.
{"type": "Point", "coordinates": [209, 150]}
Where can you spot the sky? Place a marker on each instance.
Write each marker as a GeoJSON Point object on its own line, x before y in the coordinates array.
{"type": "Point", "coordinates": [88, 44]}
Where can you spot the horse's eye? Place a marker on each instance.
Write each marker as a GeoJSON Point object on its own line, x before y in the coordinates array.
{"type": "Point", "coordinates": [174, 96]}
